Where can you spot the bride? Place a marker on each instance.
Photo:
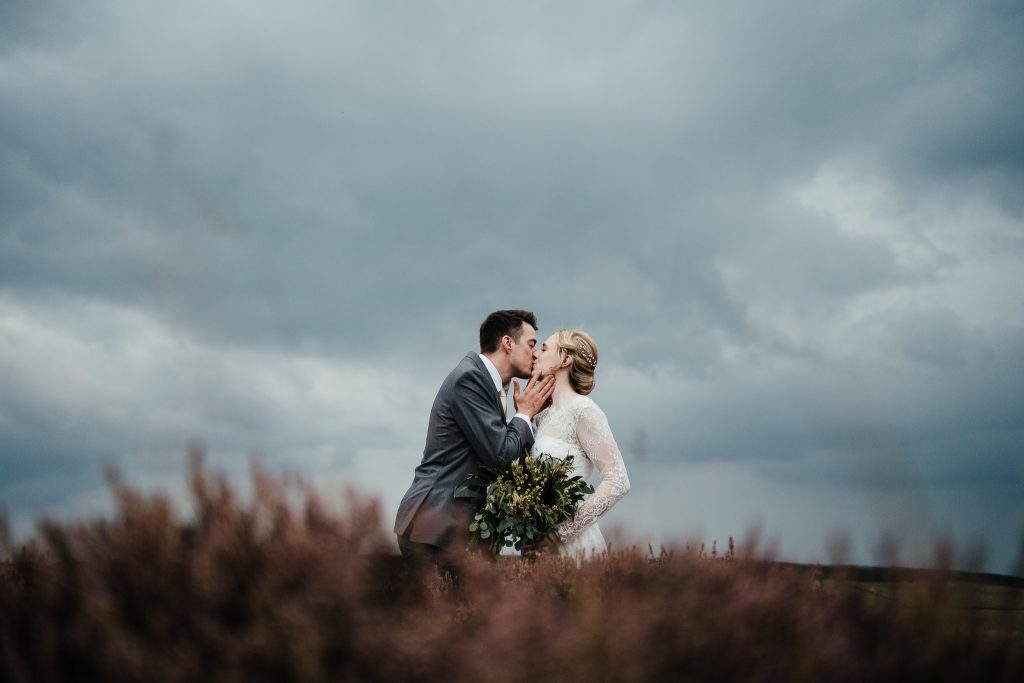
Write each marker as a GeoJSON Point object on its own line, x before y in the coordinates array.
{"type": "Point", "coordinates": [574, 425]}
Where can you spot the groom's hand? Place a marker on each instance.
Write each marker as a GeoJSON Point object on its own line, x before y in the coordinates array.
{"type": "Point", "coordinates": [534, 396]}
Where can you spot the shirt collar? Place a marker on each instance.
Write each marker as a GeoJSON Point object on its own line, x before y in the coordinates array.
{"type": "Point", "coordinates": [495, 377]}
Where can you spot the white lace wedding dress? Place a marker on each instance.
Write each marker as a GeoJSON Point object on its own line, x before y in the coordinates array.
{"type": "Point", "coordinates": [580, 429]}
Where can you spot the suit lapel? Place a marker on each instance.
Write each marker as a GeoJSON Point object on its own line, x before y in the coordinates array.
{"type": "Point", "coordinates": [488, 382]}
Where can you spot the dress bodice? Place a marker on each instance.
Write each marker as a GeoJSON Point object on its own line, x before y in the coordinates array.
{"type": "Point", "coordinates": [556, 435]}
{"type": "Point", "coordinates": [580, 428]}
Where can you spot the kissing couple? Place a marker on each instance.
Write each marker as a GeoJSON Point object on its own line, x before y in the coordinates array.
{"type": "Point", "coordinates": [469, 430]}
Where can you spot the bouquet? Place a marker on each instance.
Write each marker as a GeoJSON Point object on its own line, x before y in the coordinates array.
{"type": "Point", "coordinates": [526, 501]}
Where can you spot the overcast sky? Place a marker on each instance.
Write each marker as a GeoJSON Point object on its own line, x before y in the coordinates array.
{"type": "Point", "coordinates": [795, 229]}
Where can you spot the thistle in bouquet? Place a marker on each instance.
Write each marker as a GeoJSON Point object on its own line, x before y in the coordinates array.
{"type": "Point", "coordinates": [526, 501]}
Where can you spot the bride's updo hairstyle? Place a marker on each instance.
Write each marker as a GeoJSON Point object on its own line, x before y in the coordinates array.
{"type": "Point", "coordinates": [581, 349]}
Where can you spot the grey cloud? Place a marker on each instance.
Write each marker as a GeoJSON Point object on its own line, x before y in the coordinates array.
{"type": "Point", "coordinates": [356, 185]}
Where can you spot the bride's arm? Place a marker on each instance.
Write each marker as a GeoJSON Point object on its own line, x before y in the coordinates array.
{"type": "Point", "coordinates": [595, 437]}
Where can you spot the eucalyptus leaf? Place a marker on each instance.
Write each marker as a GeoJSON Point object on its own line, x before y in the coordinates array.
{"type": "Point", "coordinates": [526, 501]}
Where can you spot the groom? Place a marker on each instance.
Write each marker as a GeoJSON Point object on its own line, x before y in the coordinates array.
{"type": "Point", "coordinates": [468, 430]}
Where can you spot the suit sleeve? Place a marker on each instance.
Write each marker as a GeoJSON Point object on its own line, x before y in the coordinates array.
{"type": "Point", "coordinates": [494, 442]}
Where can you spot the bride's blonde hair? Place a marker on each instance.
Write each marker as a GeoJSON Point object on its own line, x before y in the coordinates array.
{"type": "Point", "coordinates": [581, 349]}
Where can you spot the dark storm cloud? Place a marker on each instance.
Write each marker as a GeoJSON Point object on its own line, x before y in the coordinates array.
{"type": "Point", "coordinates": [433, 154]}
{"type": "Point", "coordinates": [795, 230]}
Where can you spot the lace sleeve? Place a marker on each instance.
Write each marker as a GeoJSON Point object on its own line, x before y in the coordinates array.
{"type": "Point", "coordinates": [595, 437]}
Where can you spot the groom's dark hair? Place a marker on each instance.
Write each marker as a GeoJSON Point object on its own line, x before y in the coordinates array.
{"type": "Point", "coordinates": [500, 323]}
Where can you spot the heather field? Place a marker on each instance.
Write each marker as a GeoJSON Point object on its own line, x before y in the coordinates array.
{"type": "Point", "coordinates": [283, 587]}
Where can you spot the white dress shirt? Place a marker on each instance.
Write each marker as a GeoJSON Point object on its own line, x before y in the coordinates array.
{"type": "Point", "coordinates": [496, 378]}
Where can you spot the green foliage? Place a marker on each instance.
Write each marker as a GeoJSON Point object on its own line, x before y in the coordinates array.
{"type": "Point", "coordinates": [526, 501]}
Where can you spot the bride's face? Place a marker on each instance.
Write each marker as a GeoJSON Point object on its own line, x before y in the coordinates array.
{"type": "Point", "coordinates": [546, 359]}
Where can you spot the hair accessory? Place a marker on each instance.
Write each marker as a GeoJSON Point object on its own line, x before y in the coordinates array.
{"type": "Point", "coordinates": [589, 357]}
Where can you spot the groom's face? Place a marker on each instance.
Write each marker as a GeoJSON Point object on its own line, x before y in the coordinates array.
{"type": "Point", "coordinates": [521, 356]}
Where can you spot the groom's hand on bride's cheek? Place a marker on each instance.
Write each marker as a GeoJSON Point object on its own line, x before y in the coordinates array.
{"type": "Point", "coordinates": [535, 396]}
{"type": "Point", "coordinates": [547, 390]}
{"type": "Point", "coordinates": [551, 395]}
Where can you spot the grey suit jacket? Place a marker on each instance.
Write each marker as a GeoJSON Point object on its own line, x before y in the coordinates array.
{"type": "Point", "coordinates": [466, 431]}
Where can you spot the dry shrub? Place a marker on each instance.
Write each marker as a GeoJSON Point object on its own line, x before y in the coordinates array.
{"type": "Point", "coordinates": [281, 589]}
